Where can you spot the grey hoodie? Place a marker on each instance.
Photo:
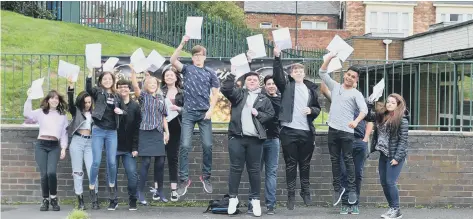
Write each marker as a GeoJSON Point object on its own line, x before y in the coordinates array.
{"type": "Point", "coordinates": [248, 127]}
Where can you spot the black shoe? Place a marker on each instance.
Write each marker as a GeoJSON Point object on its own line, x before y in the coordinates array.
{"type": "Point", "coordinates": [337, 196]}
{"type": "Point", "coordinates": [94, 199]}
{"type": "Point", "coordinates": [80, 200]}
{"type": "Point", "coordinates": [132, 205]}
{"type": "Point", "coordinates": [270, 210]}
{"type": "Point", "coordinates": [44, 205]}
{"type": "Point", "coordinates": [291, 201]}
{"type": "Point", "coordinates": [307, 199]}
{"type": "Point", "coordinates": [55, 205]}
{"type": "Point", "coordinates": [112, 205]}
{"type": "Point", "coordinates": [395, 214]}
{"type": "Point", "coordinates": [352, 198]}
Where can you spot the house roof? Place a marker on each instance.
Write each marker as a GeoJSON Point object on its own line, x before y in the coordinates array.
{"type": "Point", "coordinates": [454, 2]}
{"type": "Point", "coordinates": [289, 7]}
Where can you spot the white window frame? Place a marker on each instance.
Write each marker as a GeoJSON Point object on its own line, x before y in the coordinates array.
{"type": "Point", "coordinates": [443, 12]}
{"type": "Point", "coordinates": [378, 27]}
{"type": "Point", "coordinates": [265, 25]}
{"type": "Point", "coordinates": [389, 7]}
{"type": "Point", "coordinates": [314, 25]}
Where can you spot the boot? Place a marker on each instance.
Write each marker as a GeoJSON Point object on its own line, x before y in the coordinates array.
{"type": "Point", "coordinates": [112, 199]}
{"type": "Point", "coordinates": [44, 205]}
{"type": "Point", "coordinates": [55, 204]}
{"type": "Point", "coordinates": [94, 199]}
{"type": "Point", "coordinates": [81, 205]}
{"type": "Point", "coordinates": [291, 200]}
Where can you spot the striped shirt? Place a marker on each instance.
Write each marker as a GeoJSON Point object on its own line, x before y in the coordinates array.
{"type": "Point", "coordinates": [153, 109]}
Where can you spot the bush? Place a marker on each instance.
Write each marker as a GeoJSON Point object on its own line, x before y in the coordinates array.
{"type": "Point", "coordinates": [78, 214]}
{"type": "Point", "coordinates": [31, 9]}
{"type": "Point", "coordinates": [225, 10]}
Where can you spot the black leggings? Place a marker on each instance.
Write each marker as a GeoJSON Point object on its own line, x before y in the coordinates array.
{"type": "Point", "coordinates": [172, 148]}
{"type": "Point", "coordinates": [47, 157]}
{"type": "Point", "coordinates": [158, 172]}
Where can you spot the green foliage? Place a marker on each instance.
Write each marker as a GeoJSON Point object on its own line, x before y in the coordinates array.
{"type": "Point", "coordinates": [31, 9]}
{"type": "Point", "coordinates": [225, 10]}
{"type": "Point", "coordinates": [78, 214]}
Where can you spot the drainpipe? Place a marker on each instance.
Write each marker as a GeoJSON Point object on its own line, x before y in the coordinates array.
{"type": "Point", "coordinates": [387, 42]}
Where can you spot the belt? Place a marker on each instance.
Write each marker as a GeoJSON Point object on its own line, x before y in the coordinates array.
{"type": "Point", "coordinates": [83, 136]}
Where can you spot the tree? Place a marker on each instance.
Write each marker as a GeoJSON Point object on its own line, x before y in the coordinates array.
{"type": "Point", "coordinates": [31, 9]}
{"type": "Point", "coordinates": [225, 10]}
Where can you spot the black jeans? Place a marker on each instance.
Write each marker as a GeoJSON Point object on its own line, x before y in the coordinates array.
{"type": "Point", "coordinates": [245, 150]}
{"type": "Point", "coordinates": [47, 157]}
{"type": "Point", "coordinates": [359, 157]}
{"type": "Point", "coordinates": [297, 147]}
{"type": "Point", "coordinates": [172, 148]}
{"type": "Point", "coordinates": [338, 142]}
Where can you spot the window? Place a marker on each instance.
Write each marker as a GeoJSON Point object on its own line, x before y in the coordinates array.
{"type": "Point", "coordinates": [444, 17]}
{"type": "Point", "coordinates": [265, 25]}
{"type": "Point", "coordinates": [389, 22]}
{"type": "Point", "coordinates": [469, 17]}
{"type": "Point", "coordinates": [455, 17]}
{"type": "Point", "coordinates": [314, 25]}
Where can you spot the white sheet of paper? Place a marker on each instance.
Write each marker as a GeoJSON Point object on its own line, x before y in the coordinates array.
{"type": "Point", "coordinates": [155, 60]}
{"type": "Point", "coordinates": [66, 69]}
{"type": "Point", "coordinates": [109, 65]}
{"type": "Point", "coordinates": [93, 55]}
{"type": "Point", "coordinates": [171, 114]}
{"type": "Point", "coordinates": [137, 56]}
{"type": "Point", "coordinates": [256, 44]}
{"type": "Point", "coordinates": [141, 65]}
{"type": "Point", "coordinates": [334, 65]}
{"type": "Point", "coordinates": [339, 46]}
{"type": "Point", "coordinates": [36, 89]}
{"type": "Point", "coordinates": [240, 65]}
{"type": "Point", "coordinates": [282, 38]}
{"type": "Point", "coordinates": [377, 91]}
{"type": "Point", "coordinates": [194, 27]}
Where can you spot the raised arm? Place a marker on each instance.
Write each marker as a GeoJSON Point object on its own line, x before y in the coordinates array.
{"type": "Point", "coordinates": [278, 72]}
{"type": "Point", "coordinates": [229, 91]}
{"type": "Point", "coordinates": [324, 75]}
{"type": "Point", "coordinates": [88, 85]}
{"type": "Point", "coordinates": [325, 91]}
{"type": "Point", "coordinates": [28, 111]}
{"type": "Point", "coordinates": [70, 98]}
{"type": "Point", "coordinates": [134, 82]}
{"type": "Point", "coordinates": [174, 62]}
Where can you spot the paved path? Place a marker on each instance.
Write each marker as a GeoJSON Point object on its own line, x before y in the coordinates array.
{"type": "Point", "coordinates": [32, 211]}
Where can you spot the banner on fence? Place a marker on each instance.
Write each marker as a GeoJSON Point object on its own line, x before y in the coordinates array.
{"type": "Point", "coordinates": [221, 66]}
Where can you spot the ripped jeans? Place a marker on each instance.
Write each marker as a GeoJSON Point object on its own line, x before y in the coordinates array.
{"type": "Point", "coordinates": [81, 152]}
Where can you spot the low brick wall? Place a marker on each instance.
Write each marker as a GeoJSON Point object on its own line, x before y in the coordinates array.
{"type": "Point", "coordinates": [438, 172]}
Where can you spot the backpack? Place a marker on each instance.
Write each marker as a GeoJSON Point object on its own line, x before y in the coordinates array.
{"type": "Point", "coordinates": [221, 206]}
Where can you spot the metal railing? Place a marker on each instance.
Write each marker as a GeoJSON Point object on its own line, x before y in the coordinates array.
{"type": "Point", "coordinates": [438, 94]}
{"type": "Point", "coordinates": [164, 22]}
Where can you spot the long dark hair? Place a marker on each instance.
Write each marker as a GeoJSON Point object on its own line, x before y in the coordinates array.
{"type": "Point", "coordinates": [392, 119]}
{"type": "Point", "coordinates": [80, 101]}
{"type": "Point", "coordinates": [178, 82]}
{"type": "Point", "coordinates": [114, 79]}
{"type": "Point", "coordinates": [61, 107]}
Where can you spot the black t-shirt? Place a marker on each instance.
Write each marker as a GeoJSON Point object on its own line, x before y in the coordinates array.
{"type": "Point", "coordinates": [108, 121]}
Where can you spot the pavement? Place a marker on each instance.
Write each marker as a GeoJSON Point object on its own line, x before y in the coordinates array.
{"type": "Point", "coordinates": [26, 211]}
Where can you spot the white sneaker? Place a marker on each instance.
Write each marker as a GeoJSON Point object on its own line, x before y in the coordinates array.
{"type": "Point", "coordinates": [232, 205]}
{"type": "Point", "coordinates": [256, 207]}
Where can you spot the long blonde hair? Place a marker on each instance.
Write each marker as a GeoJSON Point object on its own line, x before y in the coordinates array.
{"type": "Point", "coordinates": [145, 85]}
{"type": "Point", "coordinates": [392, 119]}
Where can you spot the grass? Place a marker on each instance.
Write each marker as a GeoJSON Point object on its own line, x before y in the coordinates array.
{"type": "Point", "coordinates": [78, 214]}
{"type": "Point", "coordinates": [41, 44]}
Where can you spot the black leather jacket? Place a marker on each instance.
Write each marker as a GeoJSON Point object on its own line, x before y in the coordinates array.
{"type": "Point", "coordinates": [78, 116]}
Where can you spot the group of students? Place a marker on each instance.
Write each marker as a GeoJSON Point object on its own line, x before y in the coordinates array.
{"type": "Point", "coordinates": [262, 121]}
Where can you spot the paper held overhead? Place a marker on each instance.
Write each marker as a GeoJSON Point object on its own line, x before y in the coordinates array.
{"type": "Point", "coordinates": [377, 91]}
{"type": "Point", "coordinates": [66, 70]}
{"type": "Point", "coordinates": [139, 61]}
{"type": "Point", "coordinates": [282, 38]}
{"type": "Point", "coordinates": [137, 56]}
{"type": "Point", "coordinates": [36, 89]}
{"type": "Point", "coordinates": [340, 47]}
{"type": "Point", "coordinates": [155, 60]}
{"type": "Point", "coordinates": [240, 65]}
{"type": "Point", "coordinates": [93, 55]}
{"type": "Point", "coordinates": [256, 45]}
{"type": "Point", "coordinates": [194, 27]}
{"type": "Point", "coordinates": [109, 65]}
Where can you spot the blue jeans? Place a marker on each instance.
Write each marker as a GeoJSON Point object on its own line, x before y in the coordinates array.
{"type": "Point", "coordinates": [359, 157]}
{"type": "Point", "coordinates": [99, 137]}
{"type": "Point", "coordinates": [189, 119]}
{"type": "Point", "coordinates": [270, 159]}
{"type": "Point", "coordinates": [388, 176]}
{"type": "Point", "coordinates": [129, 163]}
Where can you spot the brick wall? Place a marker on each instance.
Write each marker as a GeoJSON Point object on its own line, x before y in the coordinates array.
{"type": "Point", "coordinates": [424, 16]}
{"type": "Point", "coordinates": [306, 38]}
{"type": "Point", "coordinates": [438, 172]}
{"type": "Point", "coordinates": [355, 18]}
{"type": "Point", "coordinates": [374, 48]}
